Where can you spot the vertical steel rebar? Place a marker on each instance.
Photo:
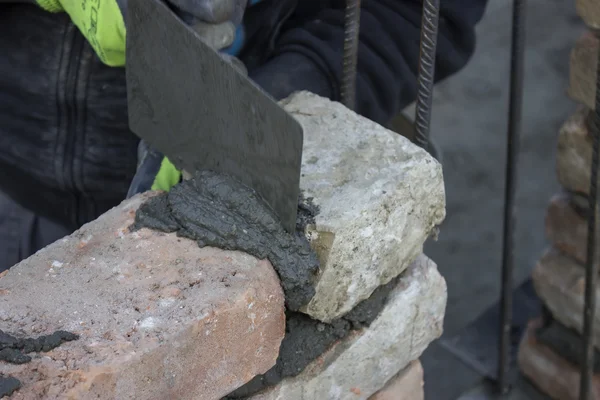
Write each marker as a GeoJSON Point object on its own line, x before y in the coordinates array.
{"type": "Point", "coordinates": [591, 274]}
{"type": "Point", "coordinates": [513, 139]}
{"type": "Point", "coordinates": [351, 32]}
{"type": "Point", "coordinates": [426, 78]}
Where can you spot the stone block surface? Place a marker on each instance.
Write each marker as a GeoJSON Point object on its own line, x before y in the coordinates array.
{"type": "Point", "coordinates": [582, 74]}
{"type": "Point", "coordinates": [380, 197]}
{"type": "Point", "coordinates": [362, 363]}
{"type": "Point", "coordinates": [553, 375]}
{"type": "Point", "coordinates": [574, 153]}
{"type": "Point", "coordinates": [559, 281]}
{"type": "Point", "coordinates": [407, 385]}
{"type": "Point", "coordinates": [566, 229]}
{"type": "Point", "coordinates": [589, 11]}
{"type": "Point", "coordinates": [158, 317]}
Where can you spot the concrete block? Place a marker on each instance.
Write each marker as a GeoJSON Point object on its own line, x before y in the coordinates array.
{"type": "Point", "coordinates": [552, 374]}
{"type": "Point", "coordinates": [574, 153]}
{"type": "Point", "coordinates": [158, 317]}
{"type": "Point", "coordinates": [380, 197]}
{"type": "Point", "coordinates": [583, 67]}
{"type": "Point", "coordinates": [589, 11]}
{"type": "Point", "coordinates": [566, 229]}
{"type": "Point", "coordinates": [407, 385]}
{"type": "Point", "coordinates": [362, 363]}
{"type": "Point", "coordinates": [559, 281]}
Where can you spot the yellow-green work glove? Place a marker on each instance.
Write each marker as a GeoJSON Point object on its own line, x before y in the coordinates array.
{"type": "Point", "coordinates": [154, 172]}
{"type": "Point", "coordinates": [103, 25]}
{"type": "Point", "coordinates": [167, 177]}
{"type": "Point", "coordinates": [100, 21]}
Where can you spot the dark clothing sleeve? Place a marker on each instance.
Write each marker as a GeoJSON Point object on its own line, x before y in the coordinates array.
{"type": "Point", "coordinates": [308, 53]}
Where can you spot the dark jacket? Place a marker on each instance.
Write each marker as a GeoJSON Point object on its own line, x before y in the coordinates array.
{"type": "Point", "coordinates": [67, 152]}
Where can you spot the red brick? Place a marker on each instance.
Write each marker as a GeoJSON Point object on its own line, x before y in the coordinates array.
{"type": "Point", "coordinates": [407, 385]}
{"type": "Point", "coordinates": [552, 374]}
{"type": "Point", "coordinates": [159, 317]}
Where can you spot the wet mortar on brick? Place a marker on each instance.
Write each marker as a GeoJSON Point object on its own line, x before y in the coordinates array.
{"type": "Point", "coordinates": [218, 211]}
{"type": "Point", "coordinates": [14, 350]}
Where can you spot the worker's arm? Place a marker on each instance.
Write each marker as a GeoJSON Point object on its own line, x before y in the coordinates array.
{"type": "Point", "coordinates": [309, 52]}
{"type": "Point", "coordinates": [103, 25]}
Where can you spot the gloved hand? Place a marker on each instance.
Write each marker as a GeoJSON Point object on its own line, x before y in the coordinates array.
{"type": "Point", "coordinates": [154, 171]}
{"type": "Point", "coordinates": [103, 24]}
{"type": "Point", "coordinates": [289, 72]}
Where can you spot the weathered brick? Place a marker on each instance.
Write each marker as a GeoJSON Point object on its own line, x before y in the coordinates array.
{"type": "Point", "coordinates": [552, 374]}
{"type": "Point", "coordinates": [583, 65]}
{"type": "Point", "coordinates": [574, 153]}
{"type": "Point", "coordinates": [362, 363]}
{"type": "Point", "coordinates": [380, 197]}
{"type": "Point", "coordinates": [559, 281]}
{"type": "Point", "coordinates": [565, 228]}
{"type": "Point", "coordinates": [589, 11]}
{"type": "Point", "coordinates": [158, 317]}
{"type": "Point", "coordinates": [407, 385]}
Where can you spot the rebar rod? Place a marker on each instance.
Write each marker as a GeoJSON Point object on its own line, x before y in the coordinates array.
{"type": "Point", "coordinates": [426, 77]}
{"type": "Point", "coordinates": [591, 273]}
{"type": "Point", "coordinates": [513, 142]}
{"type": "Point", "coordinates": [351, 35]}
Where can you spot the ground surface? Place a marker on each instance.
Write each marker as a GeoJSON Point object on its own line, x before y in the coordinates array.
{"type": "Point", "coordinates": [469, 125]}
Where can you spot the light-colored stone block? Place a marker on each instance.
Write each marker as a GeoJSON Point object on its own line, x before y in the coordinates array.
{"type": "Point", "coordinates": [407, 385]}
{"type": "Point", "coordinates": [552, 374]}
{"type": "Point", "coordinates": [566, 229]}
{"type": "Point", "coordinates": [380, 197]}
{"type": "Point", "coordinates": [158, 317]}
{"type": "Point", "coordinates": [583, 70]}
{"type": "Point", "coordinates": [574, 153]}
{"type": "Point", "coordinates": [589, 11]}
{"type": "Point", "coordinates": [559, 281]}
{"type": "Point", "coordinates": [361, 364]}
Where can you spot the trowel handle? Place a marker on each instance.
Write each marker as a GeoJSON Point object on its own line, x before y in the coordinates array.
{"type": "Point", "coordinates": [217, 36]}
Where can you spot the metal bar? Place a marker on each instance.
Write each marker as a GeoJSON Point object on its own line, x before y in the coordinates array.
{"type": "Point", "coordinates": [513, 139]}
{"type": "Point", "coordinates": [426, 77]}
{"type": "Point", "coordinates": [591, 274]}
{"type": "Point", "coordinates": [351, 31]}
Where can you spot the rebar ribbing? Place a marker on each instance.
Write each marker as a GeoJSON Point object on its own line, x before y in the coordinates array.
{"type": "Point", "coordinates": [591, 274]}
{"type": "Point", "coordinates": [513, 139]}
{"type": "Point", "coordinates": [351, 32]}
{"type": "Point", "coordinates": [426, 76]}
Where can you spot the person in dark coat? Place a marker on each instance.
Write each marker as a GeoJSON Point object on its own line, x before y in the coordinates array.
{"type": "Point", "coordinates": [68, 154]}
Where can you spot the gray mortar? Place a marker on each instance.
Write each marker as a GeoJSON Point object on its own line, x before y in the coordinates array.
{"type": "Point", "coordinates": [8, 385]}
{"type": "Point", "coordinates": [218, 211]}
{"type": "Point", "coordinates": [14, 350]}
{"type": "Point", "coordinates": [306, 339]}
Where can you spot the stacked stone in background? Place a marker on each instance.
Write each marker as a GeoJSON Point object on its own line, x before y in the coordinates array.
{"type": "Point", "coordinates": [551, 352]}
{"type": "Point", "coordinates": [159, 317]}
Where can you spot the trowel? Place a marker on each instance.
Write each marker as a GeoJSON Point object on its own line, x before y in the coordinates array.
{"type": "Point", "coordinates": [203, 113]}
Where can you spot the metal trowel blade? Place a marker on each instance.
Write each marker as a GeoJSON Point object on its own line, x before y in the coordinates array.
{"type": "Point", "coordinates": [203, 114]}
